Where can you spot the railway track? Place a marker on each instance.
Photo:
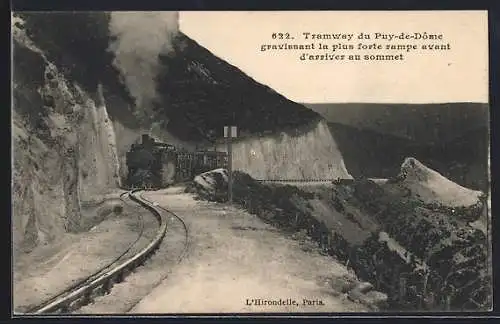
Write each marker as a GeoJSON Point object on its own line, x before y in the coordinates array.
{"type": "Point", "coordinates": [298, 180]}
{"type": "Point", "coordinates": [101, 281]}
{"type": "Point", "coordinates": [181, 221]}
{"type": "Point", "coordinates": [305, 182]}
{"type": "Point", "coordinates": [338, 181]}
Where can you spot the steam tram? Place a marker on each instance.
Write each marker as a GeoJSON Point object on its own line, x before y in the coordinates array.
{"type": "Point", "coordinates": [153, 164]}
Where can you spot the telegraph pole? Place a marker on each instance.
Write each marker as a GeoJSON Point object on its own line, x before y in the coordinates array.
{"type": "Point", "coordinates": [229, 134]}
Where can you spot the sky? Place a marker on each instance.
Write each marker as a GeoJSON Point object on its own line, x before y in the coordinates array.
{"type": "Point", "coordinates": [458, 74]}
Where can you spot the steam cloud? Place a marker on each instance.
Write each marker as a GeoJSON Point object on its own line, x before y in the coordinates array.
{"type": "Point", "coordinates": [140, 38]}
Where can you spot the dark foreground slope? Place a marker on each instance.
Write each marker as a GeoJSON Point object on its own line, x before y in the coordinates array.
{"type": "Point", "coordinates": [402, 236]}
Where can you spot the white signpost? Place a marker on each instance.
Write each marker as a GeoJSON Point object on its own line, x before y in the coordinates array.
{"type": "Point", "coordinates": [230, 132]}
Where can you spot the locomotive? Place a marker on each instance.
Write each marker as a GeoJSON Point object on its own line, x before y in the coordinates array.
{"type": "Point", "coordinates": [153, 164]}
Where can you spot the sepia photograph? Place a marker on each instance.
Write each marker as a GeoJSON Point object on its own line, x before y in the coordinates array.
{"type": "Point", "coordinates": [256, 162]}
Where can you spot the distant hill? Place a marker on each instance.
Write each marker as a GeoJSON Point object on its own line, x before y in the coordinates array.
{"type": "Point", "coordinates": [423, 123]}
{"type": "Point", "coordinates": [371, 154]}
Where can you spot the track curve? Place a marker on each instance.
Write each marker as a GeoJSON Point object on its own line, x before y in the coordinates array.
{"type": "Point", "coordinates": [186, 230]}
{"type": "Point", "coordinates": [101, 281]}
{"type": "Point", "coordinates": [179, 257]}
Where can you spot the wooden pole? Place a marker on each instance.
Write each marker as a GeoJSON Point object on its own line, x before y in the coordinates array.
{"type": "Point", "coordinates": [230, 168]}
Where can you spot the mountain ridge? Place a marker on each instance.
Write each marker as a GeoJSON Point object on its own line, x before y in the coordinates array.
{"type": "Point", "coordinates": [426, 123]}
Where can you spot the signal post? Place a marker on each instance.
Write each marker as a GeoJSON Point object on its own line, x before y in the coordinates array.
{"type": "Point", "coordinates": [230, 132]}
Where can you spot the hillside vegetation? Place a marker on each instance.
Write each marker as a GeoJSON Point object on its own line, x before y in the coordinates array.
{"type": "Point", "coordinates": [423, 255]}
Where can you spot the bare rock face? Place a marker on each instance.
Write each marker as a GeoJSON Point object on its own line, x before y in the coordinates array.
{"type": "Point", "coordinates": [312, 153]}
{"type": "Point", "coordinates": [60, 154]}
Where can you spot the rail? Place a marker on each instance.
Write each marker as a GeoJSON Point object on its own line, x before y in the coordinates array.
{"type": "Point", "coordinates": [336, 181]}
{"type": "Point", "coordinates": [83, 295]}
{"type": "Point", "coordinates": [295, 180]}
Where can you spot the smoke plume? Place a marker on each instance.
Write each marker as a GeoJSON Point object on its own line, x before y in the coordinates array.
{"type": "Point", "coordinates": [140, 38]}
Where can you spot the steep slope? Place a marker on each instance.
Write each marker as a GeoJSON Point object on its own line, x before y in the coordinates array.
{"type": "Point", "coordinates": [81, 52]}
{"type": "Point", "coordinates": [421, 255]}
{"type": "Point", "coordinates": [202, 94]}
{"type": "Point", "coordinates": [198, 94]}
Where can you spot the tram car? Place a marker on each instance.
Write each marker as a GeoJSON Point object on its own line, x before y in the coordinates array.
{"type": "Point", "coordinates": [154, 164]}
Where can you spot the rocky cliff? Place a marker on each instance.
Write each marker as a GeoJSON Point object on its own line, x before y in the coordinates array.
{"type": "Point", "coordinates": [64, 149]}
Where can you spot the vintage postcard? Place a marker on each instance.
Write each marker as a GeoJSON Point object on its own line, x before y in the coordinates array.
{"type": "Point", "coordinates": [250, 162]}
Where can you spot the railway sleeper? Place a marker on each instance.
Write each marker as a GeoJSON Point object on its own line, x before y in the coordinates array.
{"type": "Point", "coordinates": [142, 260]}
{"type": "Point", "coordinates": [87, 297]}
{"type": "Point", "coordinates": [154, 250]}
{"type": "Point", "coordinates": [106, 286]}
{"type": "Point", "coordinates": [137, 262]}
{"type": "Point", "coordinates": [77, 303]}
{"type": "Point", "coordinates": [63, 309]}
{"type": "Point", "coordinates": [131, 267]}
{"type": "Point", "coordinates": [58, 310]}
{"type": "Point", "coordinates": [98, 291]}
{"type": "Point", "coordinates": [126, 272]}
{"type": "Point", "coordinates": [324, 239]}
{"type": "Point", "coordinates": [119, 277]}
